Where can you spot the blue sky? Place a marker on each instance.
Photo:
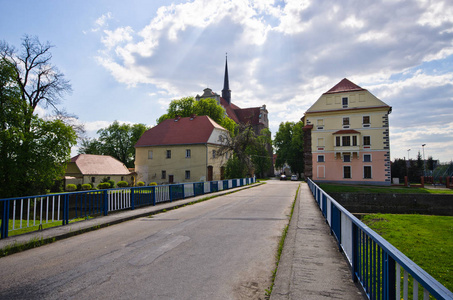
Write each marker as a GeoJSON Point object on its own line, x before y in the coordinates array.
{"type": "Point", "coordinates": [127, 60]}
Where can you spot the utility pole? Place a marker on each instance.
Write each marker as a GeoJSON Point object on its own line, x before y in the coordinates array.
{"type": "Point", "coordinates": [424, 168]}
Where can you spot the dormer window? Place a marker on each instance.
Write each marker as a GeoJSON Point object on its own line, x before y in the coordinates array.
{"type": "Point", "coordinates": [345, 102]}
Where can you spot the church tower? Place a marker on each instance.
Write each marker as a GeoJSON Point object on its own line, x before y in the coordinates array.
{"type": "Point", "coordinates": [226, 92]}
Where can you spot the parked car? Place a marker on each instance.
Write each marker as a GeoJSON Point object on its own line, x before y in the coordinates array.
{"type": "Point", "coordinates": [293, 177]}
{"type": "Point", "coordinates": [283, 177]}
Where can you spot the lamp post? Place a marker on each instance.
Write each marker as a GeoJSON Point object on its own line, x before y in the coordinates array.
{"type": "Point", "coordinates": [424, 162]}
{"type": "Point", "coordinates": [408, 164]}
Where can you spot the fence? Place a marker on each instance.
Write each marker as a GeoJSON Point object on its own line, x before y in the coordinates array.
{"type": "Point", "coordinates": [374, 262]}
{"type": "Point", "coordinates": [37, 212]}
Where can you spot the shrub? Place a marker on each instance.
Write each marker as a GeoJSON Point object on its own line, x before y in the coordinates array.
{"type": "Point", "coordinates": [152, 183]}
{"type": "Point", "coordinates": [122, 184]}
{"type": "Point", "coordinates": [71, 187]}
{"type": "Point", "coordinates": [86, 186]}
{"type": "Point", "coordinates": [79, 187]}
{"type": "Point", "coordinates": [103, 185]}
{"type": "Point", "coordinates": [140, 183]}
{"type": "Point", "coordinates": [112, 183]}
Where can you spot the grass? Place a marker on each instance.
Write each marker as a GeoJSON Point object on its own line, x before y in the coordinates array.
{"type": "Point", "coordinates": [426, 240]}
{"type": "Point", "coordinates": [371, 189]}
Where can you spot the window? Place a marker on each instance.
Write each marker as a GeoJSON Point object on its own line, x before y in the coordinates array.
{"type": "Point", "coordinates": [150, 154]}
{"type": "Point", "coordinates": [367, 172]}
{"type": "Point", "coordinates": [354, 140]}
{"type": "Point", "coordinates": [366, 120]}
{"type": "Point", "coordinates": [344, 101]}
{"type": "Point", "coordinates": [93, 179]}
{"type": "Point", "coordinates": [347, 158]}
{"type": "Point", "coordinates": [187, 174]}
{"type": "Point", "coordinates": [346, 140]}
{"type": "Point", "coordinates": [168, 153]}
{"type": "Point", "coordinates": [345, 121]}
{"type": "Point", "coordinates": [367, 157]}
{"type": "Point", "coordinates": [164, 174]}
{"type": "Point", "coordinates": [320, 124]}
{"type": "Point", "coordinates": [367, 140]}
{"type": "Point", "coordinates": [213, 153]}
{"type": "Point", "coordinates": [122, 178]}
{"type": "Point", "coordinates": [188, 153]}
{"type": "Point", "coordinates": [337, 141]}
{"type": "Point", "coordinates": [347, 172]}
{"type": "Point", "coordinates": [320, 158]}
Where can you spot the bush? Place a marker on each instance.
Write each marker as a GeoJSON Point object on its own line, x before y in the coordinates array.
{"type": "Point", "coordinates": [86, 186]}
{"type": "Point", "coordinates": [79, 187]}
{"type": "Point", "coordinates": [152, 183]}
{"type": "Point", "coordinates": [103, 185]}
{"type": "Point", "coordinates": [71, 187]}
{"type": "Point", "coordinates": [122, 184]}
{"type": "Point", "coordinates": [112, 183]}
{"type": "Point", "coordinates": [140, 183]}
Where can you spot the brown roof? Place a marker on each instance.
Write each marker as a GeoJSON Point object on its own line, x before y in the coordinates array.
{"type": "Point", "coordinates": [347, 131]}
{"type": "Point", "coordinates": [90, 164]}
{"type": "Point", "coordinates": [181, 132]}
{"type": "Point", "coordinates": [241, 115]}
{"type": "Point", "coordinates": [344, 86]}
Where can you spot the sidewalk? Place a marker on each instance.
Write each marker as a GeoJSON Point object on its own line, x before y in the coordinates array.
{"type": "Point", "coordinates": [62, 232]}
{"type": "Point", "coordinates": [311, 266]}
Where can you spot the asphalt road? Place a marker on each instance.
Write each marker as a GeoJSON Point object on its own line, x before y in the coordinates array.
{"type": "Point", "coordinates": [223, 248]}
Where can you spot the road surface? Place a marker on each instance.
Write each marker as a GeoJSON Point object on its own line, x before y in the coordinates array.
{"type": "Point", "coordinates": [223, 248]}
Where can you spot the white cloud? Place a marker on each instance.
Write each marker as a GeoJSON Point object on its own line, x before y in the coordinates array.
{"type": "Point", "coordinates": [101, 22]}
{"type": "Point", "coordinates": [286, 54]}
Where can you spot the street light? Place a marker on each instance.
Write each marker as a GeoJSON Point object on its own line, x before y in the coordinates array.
{"type": "Point", "coordinates": [424, 162]}
{"type": "Point", "coordinates": [408, 150]}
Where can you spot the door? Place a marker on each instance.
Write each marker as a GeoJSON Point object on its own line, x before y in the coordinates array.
{"type": "Point", "coordinates": [170, 179]}
{"type": "Point", "coordinates": [210, 173]}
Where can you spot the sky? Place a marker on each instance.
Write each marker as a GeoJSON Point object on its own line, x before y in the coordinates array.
{"type": "Point", "coordinates": [126, 60]}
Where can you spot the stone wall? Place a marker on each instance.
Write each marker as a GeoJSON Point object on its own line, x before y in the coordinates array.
{"type": "Point", "coordinates": [428, 204]}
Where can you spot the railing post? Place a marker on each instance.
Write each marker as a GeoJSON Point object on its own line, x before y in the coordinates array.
{"type": "Point", "coordinates": [106, 202]}
{"type": "Point", "coordinates": [183, 191]}
{"type": "Point", "coordinates": [5, 220]}
{"type": "Point", "coordinates": [132, 199]}
{"type": "Point", "coordinates": [355, 252]}
{"type": "Point", "coordinates": [153, 194]}
{"type": "Point", "coordinates": [66, 209]}
{"type": "Point", "coordinates": [170, 190]}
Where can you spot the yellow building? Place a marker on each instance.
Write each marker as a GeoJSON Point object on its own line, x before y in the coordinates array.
{"type": "Point", "coordinates": [181, 150]}
{"type": "Point", "coordinates": [347, 137]}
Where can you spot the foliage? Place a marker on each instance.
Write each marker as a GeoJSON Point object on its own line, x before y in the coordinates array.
{"type": "Point", "coordinates": [235, 169]}
{"type": "Point", "coordinates": [259, 153]}
{"type": "Point", "coordinates": [86, 186]}
{"type": "Point", "coordinates": [33, 151]}
{"type": "Point", "coordinates": [117, 140]}
{"type": "Point", "coordinates": [140, 183]}
{"type": "Point", "coordinates": [122, 184]}
{"type": "Point", "coordinates": [289, 145]}
{"type": "Point", "coordinates": [426, 240]}
{"type": "Point", "coordinates": [398, 169]}
{"type": "Point", "coordinates": [152, 184]}
{"type": "Point", "coordinates": [188, 106]}
{"type": "Point", "coordinates": [103, 185]}
{"type": "Point", "coordinates": [71, 187]}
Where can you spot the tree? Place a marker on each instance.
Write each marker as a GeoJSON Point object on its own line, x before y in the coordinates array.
{"type": "Point", "coordinates": [188, 106]}
{"type": "Point", "coordinates": [259, 154]}
{"type": "Point", "coordinates": [290, 146]}
{"type": "Point", "coordinates": [33, 150]}
{"type": "Point", "coordinates": [117, 140]}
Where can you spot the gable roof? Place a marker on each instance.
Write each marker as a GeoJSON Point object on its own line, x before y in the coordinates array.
{"type": "Point", "coordinates": [90, 164]}
{"type": "Point", "coordinates": [344, 86]}
{"type": "Point", "coordinates": [180, 131]}
{"type": "Point", "coordinates": [239, 115]}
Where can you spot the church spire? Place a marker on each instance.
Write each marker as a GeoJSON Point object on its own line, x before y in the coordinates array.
{"type": "Point", "coordinates": [226, 92]}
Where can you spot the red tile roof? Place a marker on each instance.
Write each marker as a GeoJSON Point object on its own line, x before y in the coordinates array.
{"type": "Point", "coordinates": [346, 131]}
{"type": "Point", "coordinates": [182, 132]}
{"type": "Point", "coordinates": [241, 115]}
{"type": "Point", "coordinates": [344, 86]}
{"type": "Point", "coordinates": [90, 164]}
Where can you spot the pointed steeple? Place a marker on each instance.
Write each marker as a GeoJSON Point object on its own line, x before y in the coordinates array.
{"type": "Point", "coordinates": [226, 92]}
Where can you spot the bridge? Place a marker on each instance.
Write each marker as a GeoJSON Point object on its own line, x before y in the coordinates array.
{"type": "Point", "coordinates": [223, 248]}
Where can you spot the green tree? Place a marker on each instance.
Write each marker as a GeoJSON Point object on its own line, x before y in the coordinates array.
{"type": "Point", "coordinates": [290, 146]}
{"type": "Point", "coordinates": [259, 154]}
{"type": "Point", "coordinates": [117, 140]}
{"type": "Point", "coordinates": [188, 106]}
{"type": "Point", "coordinates": [33, 150]}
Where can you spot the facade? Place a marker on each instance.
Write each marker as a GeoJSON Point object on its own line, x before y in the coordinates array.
{"type": "Point", "coordinates": [90, 168]}
{"type": "Point", "coordinates": [181, 150]}
{"type": "Point", "coordinates": [347, 137]}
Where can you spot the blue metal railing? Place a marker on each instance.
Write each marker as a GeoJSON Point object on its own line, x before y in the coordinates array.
{"type": "Point", "coordinates": [374, 262]}
{"type": "Point", "coordinates": [37, 211]}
